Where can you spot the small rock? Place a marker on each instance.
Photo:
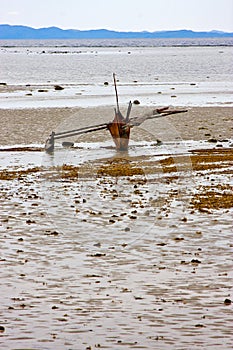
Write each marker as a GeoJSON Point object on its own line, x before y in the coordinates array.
{"type": "Point", "coordinates": [184, 219]}
{"type": "Point", "coordinates": [54, 233]}
{"type": "Point", "coordinates": [98, 255]}
{"type": "Point", "coordinates": [58, 87]}
{"type": "Point", "coordinates": [2, 329]}
{"type": "Point", "coordinates": [106, 83]}
{"type": "Point", "coordinates": [195, 261]}
{"type": "Point", "coordinates": [227, 301]}
{"type": "Point", "coordinates": [212, 140]}
{"type": "Point", "coordinates": [136, 102]}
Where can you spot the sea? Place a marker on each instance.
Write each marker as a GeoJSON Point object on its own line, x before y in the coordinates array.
{"type": "Point", "coordinates": [154, 71]}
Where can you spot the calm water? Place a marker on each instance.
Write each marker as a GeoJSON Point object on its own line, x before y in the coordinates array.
{"type": "Point", "coordinates": [150, 65]}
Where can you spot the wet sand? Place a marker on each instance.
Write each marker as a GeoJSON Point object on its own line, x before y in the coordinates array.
{"type": "Point", "coordinates": [26, 126]}
{"type": "Point", "coordinates": [111, 250]}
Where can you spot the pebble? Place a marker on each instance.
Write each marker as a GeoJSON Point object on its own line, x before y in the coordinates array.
{"type": "Point", "coordinates": [58, 87]}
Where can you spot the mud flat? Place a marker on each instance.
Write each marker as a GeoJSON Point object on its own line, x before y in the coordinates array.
{"type": "Point", "coordinates": [111, 250]}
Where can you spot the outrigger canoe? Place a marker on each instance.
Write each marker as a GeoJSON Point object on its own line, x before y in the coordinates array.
{"type": "Point", "coordinates": [119, 128]}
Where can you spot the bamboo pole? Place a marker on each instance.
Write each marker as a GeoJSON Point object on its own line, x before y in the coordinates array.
{"type": "Point", "coordinates": [80, 132]}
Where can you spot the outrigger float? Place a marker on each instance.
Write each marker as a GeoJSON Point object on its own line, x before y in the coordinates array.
{"type": "Point", "coordinates": [119, 128]}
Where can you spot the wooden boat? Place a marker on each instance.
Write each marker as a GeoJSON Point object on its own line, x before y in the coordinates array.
{"type": "Point", "coordinates": [119, 128]}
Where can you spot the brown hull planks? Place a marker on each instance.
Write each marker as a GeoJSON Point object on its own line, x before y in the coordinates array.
{"type": "Point", "coordinates": [120, 132]}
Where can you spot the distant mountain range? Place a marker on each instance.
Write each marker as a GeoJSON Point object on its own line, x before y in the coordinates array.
{"type": "Point", "coordinates": [23, 32]}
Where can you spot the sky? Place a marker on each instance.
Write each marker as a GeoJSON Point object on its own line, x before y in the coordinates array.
{"type": "Point", "coordinates": [120, 15]}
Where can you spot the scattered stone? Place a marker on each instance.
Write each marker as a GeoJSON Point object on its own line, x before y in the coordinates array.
{"type": "Point", "coordinates": [42, 90]}
{"type": "Point", "coordinates": [132, 217]}
{"type": "Point", "coordinates": [227, 301]}
{"type": "Point", "coordinates": [29, 221]}
{"type": "Point", "coordinates": [136, 102]}
{"type": "Point", "coordinates": [212, 140]}
{"type": "Point", "coordinates": [195, 261]}
{"type": "Point", "coordinates": [106, 83]}
{"type": "Point", "coordinates": [98, 255]}
{"type": "Point", "coordinates": [58, 87]}
{"type": "Point", "coordinates": [184, 219]}
{"type": "Point", "coordinates": [2, 329]}
{"type": "Point", "coordinates": [127, 229]}
{"type": "Point", "coordinates": [53, 233]}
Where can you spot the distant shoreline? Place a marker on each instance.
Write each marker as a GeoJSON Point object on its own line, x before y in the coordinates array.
{"type": "Point", "coordinates": [28, 33]}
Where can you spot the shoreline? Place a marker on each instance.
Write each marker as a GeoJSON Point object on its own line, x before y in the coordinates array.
{"type": "Point", "coordinates": [33, 125]}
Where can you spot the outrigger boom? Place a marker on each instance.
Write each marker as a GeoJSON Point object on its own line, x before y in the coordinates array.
{"type": "Point", "coordinates": [119, 128]}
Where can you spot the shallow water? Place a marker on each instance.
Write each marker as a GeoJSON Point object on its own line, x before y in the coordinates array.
{"type": "Point", "coordinates": [108, 262]}
{"type": "Point", "coordinates": [154, 75]}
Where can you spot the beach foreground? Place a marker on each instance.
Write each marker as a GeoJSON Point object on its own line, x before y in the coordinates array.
{"type": "Point", "coordinates": [27, 126]}
{"type": "Point", "coordinates": [111, 250]}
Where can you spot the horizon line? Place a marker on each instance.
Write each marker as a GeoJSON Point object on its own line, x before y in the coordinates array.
{"type": "Point", "coordinates": [120, 31]}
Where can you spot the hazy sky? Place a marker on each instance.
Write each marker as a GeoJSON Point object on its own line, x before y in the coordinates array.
{"type": "Point", "coordinates": [135, 15]}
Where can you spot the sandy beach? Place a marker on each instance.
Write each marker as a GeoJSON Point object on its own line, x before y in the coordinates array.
{"type": "Point", "coordinates": [127, 250]}
{"type": "Point", "coordinates": [28, 126]}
